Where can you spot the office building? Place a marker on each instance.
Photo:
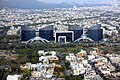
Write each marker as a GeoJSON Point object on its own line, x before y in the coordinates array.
{"type": "Point", "coordinates": [64, 36]}
{"type": "Point", "coordinates": [27, 34]}
{"type": "Point", "coordinates": [74, 33]}
{"type": "Point", "coordinates": [78, 31]}
{"type": "Point", "coordinates": [95, 33]}
{"type": "Point", "coordinates": [47, 33]}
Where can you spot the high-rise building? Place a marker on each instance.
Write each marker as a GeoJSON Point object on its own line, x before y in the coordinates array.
{"type": "Point", "coordinates": [95, 33]}
{"type": "Point", "coordinates": [74, 33]}
{"type": "Point", "coordinates": [47, 33]}
{"type": "Point", "coordinates": [27, 33]}
{"type": "Point", "coordinates": [78, 31]}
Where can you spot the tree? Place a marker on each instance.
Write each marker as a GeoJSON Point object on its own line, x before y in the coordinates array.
{"type": "Point", "coordinates": [26, 72]}
{"type": "Point", "coordinates": [34, 59]}
{"type": "Point", "coordinates": [5, 75]}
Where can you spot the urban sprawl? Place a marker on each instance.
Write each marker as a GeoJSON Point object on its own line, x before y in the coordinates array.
{"type": "Point", "coordinates": [79, 43]}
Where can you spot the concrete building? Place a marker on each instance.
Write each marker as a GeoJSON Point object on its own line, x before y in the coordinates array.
{"type": "Point", "coordinates": [64, 36]}
{"type": "Point", "coordinates": [14, 77]}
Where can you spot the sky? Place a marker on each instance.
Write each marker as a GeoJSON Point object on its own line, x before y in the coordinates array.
{"type": "Point", "coordinates": [74, 1]}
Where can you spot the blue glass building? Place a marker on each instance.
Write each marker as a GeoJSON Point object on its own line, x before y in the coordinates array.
{"type": "Point", "coordinates": [47, 33]}
{"type": "Point", "coordinates": [78, 31]}
{"type": "Point", "coordinates": [27, 34]}
{"type": "Point", "coordinates": [95, 33]}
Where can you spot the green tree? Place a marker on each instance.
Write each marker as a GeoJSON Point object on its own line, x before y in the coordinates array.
{"type": "Point", "coordinates": [34, 59]}
{"type": "Point", "coordinates": [26, 72]}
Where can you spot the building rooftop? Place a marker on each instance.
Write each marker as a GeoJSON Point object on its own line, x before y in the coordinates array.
{"type": "Point", "coordinates": [98, 26]}
{"type": "Point", "coordinates": [49, 27]}
{"type": "Point", "coordinates": [75, 27]}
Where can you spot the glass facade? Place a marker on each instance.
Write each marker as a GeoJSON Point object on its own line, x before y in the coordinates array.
{"type": "Point", "coordinates": [78, 31]}
{"type": "Point", "coordinates": [46, 34]}
{"type": "Point", "coordinates": [27, 35]}
{"type": "Point", "coordinates": [95, 34]}
{"type": "Point", "coordinates": [77, 34]}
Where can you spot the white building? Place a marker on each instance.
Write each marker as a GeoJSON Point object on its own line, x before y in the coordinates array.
{"type": "Point", "coordinates": [104, 70]}
{"type": "Point", "coordinates": [36, 74]}
{"type": "Point", "coordinates": [77, 68]}
{"type": "Point", "coordinates": [41, 52]}
{"type": "Point", "coordinates": [90, 57]}
{"type": "Point", "coordinates": [14, 77]}
{"type": "Point", "coordinates": [70, 57]}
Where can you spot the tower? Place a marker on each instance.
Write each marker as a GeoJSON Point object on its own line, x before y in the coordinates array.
{"type": "Point", "coordinates": [95, 33]}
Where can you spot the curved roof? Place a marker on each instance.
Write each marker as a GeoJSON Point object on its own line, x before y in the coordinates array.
{"type": "Point", "coordinates": [84, 37]}
{"type": "Point", "coordinates": [37, 39]}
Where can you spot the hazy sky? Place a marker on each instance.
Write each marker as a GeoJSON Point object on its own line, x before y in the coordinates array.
{"type": "Point", "coordinates": [58, 1]}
